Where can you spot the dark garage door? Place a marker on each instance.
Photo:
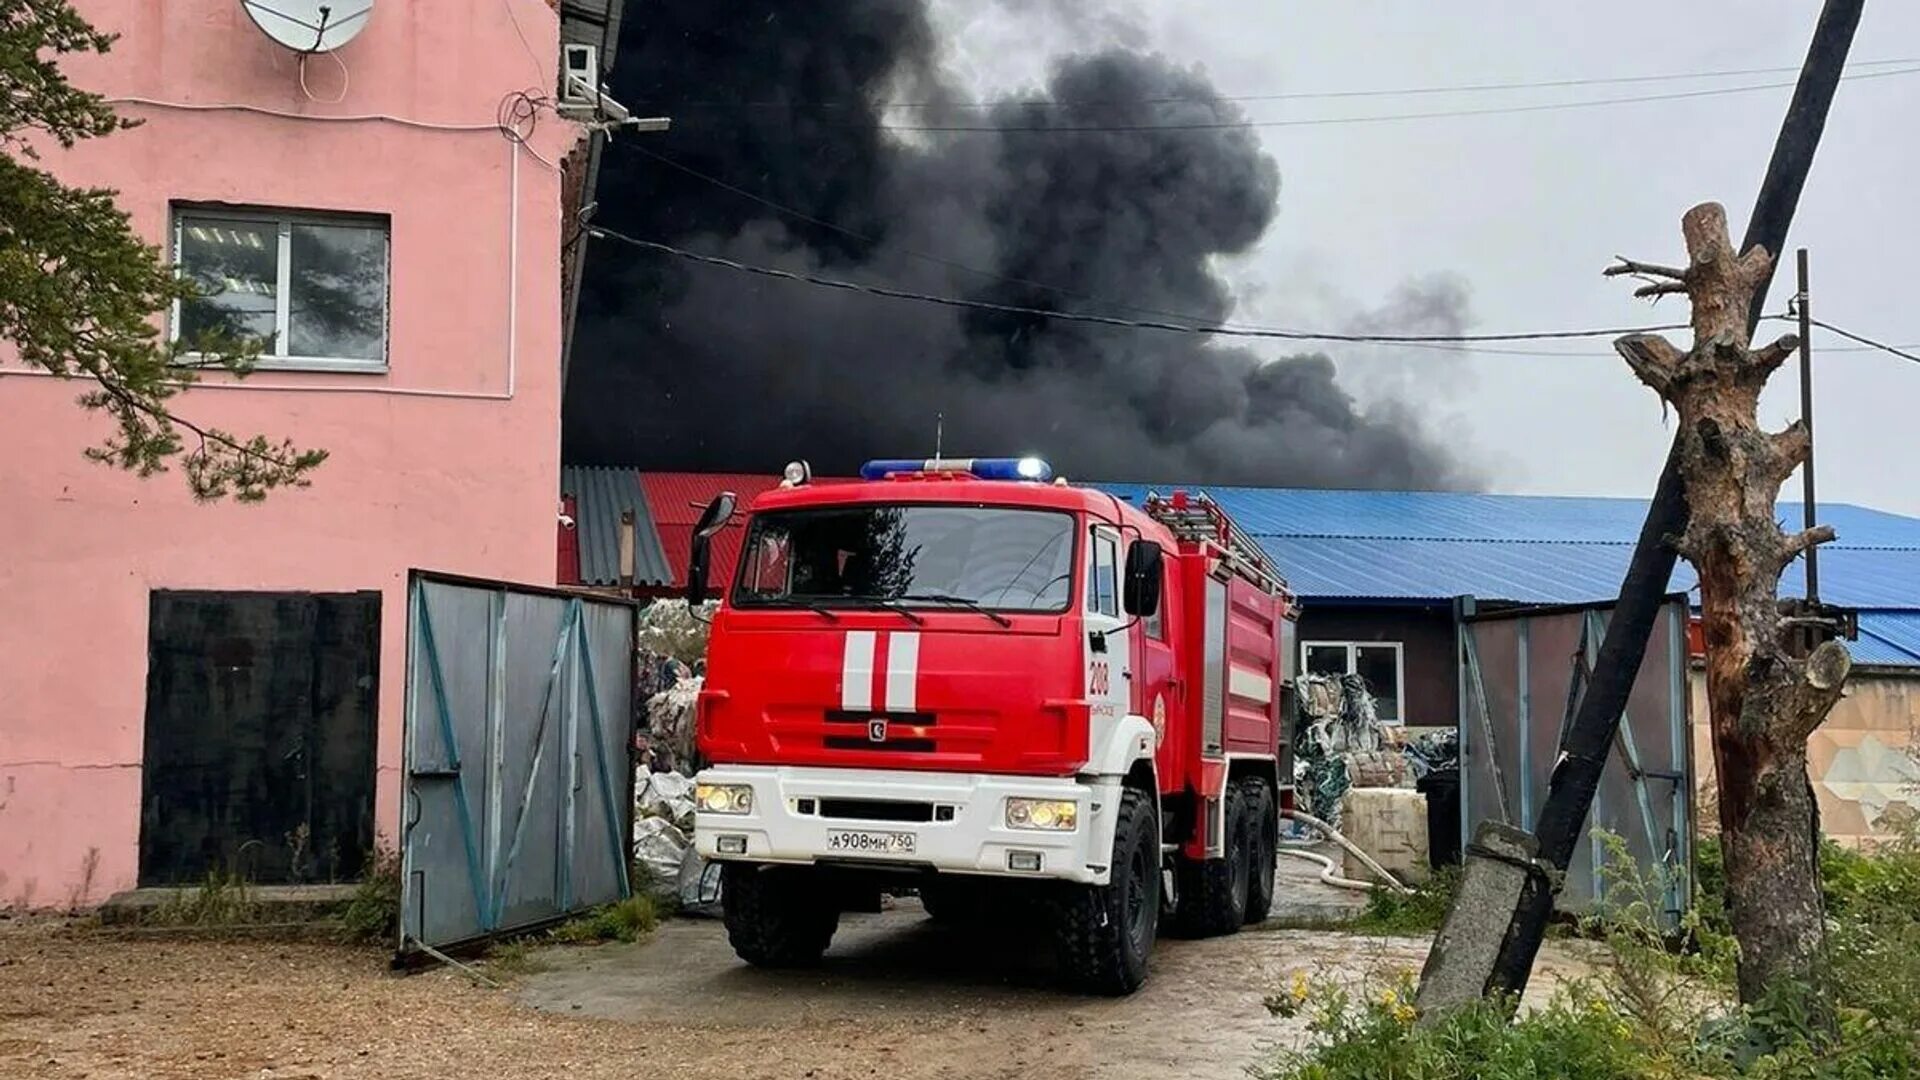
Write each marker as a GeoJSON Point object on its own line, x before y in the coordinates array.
{"type": "Point", "coordinates": [260, 725]}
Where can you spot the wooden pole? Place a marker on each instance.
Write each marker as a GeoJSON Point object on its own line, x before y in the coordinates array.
{"type": "Point", "coordinates": [1807, 501]}
{"type": "Point", "coordinates": [627, 541]}
{"type": "Point", "coordinates": [1576, 776]}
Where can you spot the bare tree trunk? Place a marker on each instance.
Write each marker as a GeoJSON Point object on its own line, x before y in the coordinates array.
{"type": "Point", "coordinates": [1762, 701]}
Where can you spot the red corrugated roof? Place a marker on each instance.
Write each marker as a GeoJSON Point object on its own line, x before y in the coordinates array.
{"type": "Point", "coordinates": [676, 500]}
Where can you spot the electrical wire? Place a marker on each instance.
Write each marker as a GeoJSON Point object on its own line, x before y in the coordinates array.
{"type": "Point", "coordinates": [538, 68]}
{"type": "Point", "coordinates": [517, 116]}
{"type": "Point", "coordinates": [1500, 110]}
{"type": "Point", "coordinates": [1212, 330]}
{"type": "Point", "coordinates": [356, 118]}
{"type": "Point", "coordinates": [831, 226]}
{"type": "Point", "coordinates": [346, 80]}
{"type": "Point", "coordinates": [1865, 342]}
{"type": "Point", "coordinates": [1302, 95]}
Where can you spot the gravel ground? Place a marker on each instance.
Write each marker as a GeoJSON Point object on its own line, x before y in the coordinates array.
{"type": "Point", "coordinates": [897, 997]}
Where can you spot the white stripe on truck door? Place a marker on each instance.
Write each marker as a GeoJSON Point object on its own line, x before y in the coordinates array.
{"type": "Point", "coordinates": [856, 672]}
{"type": "Point", "coordinates": [903, 670]}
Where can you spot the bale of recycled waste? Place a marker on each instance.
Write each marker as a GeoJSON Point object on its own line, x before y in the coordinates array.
{"type": "Point", "coordinates": [1389, 824]}
{"type": "Point", "coordinates": [670, 725]}
{"type": "Point", "coordinates": [666, 795]}
{"type": "Point", "coordinates": [659, 850]}
{"type": "Point", "coordinates": [1377, 769]}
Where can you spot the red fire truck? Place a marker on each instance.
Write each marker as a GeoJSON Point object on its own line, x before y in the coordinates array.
{"type": "Point", "coordinates": [962, 678]}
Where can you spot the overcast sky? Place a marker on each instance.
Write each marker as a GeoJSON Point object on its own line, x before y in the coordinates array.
{"type": "Point", "coordinates": [1527, 208]}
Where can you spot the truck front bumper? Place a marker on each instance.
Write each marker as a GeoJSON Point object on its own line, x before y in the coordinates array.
{"type": "Point", "coordinates": [806, 815]}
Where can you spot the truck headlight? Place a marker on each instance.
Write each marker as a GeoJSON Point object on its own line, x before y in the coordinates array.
{"type": "Point", "coordinates": [1053, 815]}
{"type": "Point", "coordinates": [723, 798]}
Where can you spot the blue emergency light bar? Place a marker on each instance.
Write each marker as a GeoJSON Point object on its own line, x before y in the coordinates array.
{"type": "Point", "coordinates": [1026, 468]}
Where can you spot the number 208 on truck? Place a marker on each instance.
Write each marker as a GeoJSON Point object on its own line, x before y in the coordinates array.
{"type": "Point", "coordinates": [1017, 697]}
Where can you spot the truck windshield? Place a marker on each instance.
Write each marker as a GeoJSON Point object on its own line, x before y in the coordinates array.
{"type": "Point", "coordinates": [919, 556]}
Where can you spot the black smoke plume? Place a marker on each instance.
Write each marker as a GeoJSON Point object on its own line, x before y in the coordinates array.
{"type": "Point", "coordinates": [683, 366]}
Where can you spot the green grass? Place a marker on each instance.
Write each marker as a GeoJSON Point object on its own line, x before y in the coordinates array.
{"type": "Point", "coordinates": [1414, 914]}
{"type": "Point", "coordinates": [514, 958]}
{"type": "Point", "coordinates": [373, 915]}
{"type": "Point", "coordinates": [224, 899]}
{"type": "Point", "coordinates": [1648, 1011]}
{"type": "Point", "coordinates": [627, 920]}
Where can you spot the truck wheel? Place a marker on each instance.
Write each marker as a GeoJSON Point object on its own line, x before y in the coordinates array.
{"type": "Point", "coordinates": [777, 916]}
{"type": "Point", "coordinates": [1105, 932]}
{"type": "Point", "coordinates": [1213, 892]}
{"type": "Point", "coordinates": [1266, 848]}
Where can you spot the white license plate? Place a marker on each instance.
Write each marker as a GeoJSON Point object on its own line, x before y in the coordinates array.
{"type": "Point", "coordinates": [862, 842]}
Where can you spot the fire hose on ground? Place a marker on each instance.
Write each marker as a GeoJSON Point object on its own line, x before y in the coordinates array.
{"type": "Point", "coordinates": [1330, 873]}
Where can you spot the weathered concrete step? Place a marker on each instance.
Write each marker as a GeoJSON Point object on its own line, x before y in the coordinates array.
{"type": "Point", "coordinates": [261, 903]}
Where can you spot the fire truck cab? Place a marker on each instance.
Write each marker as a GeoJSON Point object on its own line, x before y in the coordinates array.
{"type": "Point", "coordinates": [965, 679]}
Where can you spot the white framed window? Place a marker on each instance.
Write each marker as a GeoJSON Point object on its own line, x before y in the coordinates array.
{"type": "Point", "coordinates": [1103, 585]}
{"type": "Point", "coordinates": [313, 286]}
{"type": "Point", "coordinates": [1381, 663]}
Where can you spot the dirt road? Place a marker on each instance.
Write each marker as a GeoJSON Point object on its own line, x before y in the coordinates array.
{"type": "Point", "coordinates": [898, 997]}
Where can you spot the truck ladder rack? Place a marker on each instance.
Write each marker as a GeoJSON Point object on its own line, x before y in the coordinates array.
{"type": "Point", "coordinates": [1197, 518]}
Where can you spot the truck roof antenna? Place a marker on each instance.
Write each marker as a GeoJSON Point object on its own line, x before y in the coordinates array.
{"type": "Point", "coordinates": [939, 425]}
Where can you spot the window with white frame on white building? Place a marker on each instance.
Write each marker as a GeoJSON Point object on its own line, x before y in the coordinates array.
{"type": "Point", "coordinates": [1380, 663]}
{"type": "Point", "coordinates": [312, 287]}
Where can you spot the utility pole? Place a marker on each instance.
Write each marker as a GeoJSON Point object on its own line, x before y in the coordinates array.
{"type": "Point", "coordinates": [1807, 502]}
{"type": "Point", "coordinates": [1469, 952]}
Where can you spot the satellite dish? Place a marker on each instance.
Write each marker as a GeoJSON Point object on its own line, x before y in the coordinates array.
{"type": "Point", "coordinates": [309, 26]}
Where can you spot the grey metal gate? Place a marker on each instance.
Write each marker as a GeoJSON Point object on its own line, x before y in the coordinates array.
{"type": "Point", "coordinates": [1522, 675]}
{"type": "Point", "coordinates": [518, 785]}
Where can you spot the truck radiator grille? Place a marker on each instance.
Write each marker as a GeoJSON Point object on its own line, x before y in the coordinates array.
{"type": "Point", "coordinates": [876, 810]}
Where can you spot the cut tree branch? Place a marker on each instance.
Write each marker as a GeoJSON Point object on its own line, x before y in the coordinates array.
{"type": "Point", "coordinates": [1789, 447]}
{"type": "Point", "coordinates": [1823, 681]}
{"type": "Point", "coordinates": [1653, 358]}
{"type": "Point", "coordinates": [1769, 357]}
{"type": "Point", "coordinates": [1636, 268]}
{"type": "Point", "coordinates": [1796, 543]}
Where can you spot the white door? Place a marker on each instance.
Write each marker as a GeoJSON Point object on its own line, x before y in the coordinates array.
{"type": "Point", "coordinates": [1109, 666]}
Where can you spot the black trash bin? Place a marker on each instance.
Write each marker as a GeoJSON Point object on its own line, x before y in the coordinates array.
{"type": "Point", "coordinates": [1442, 789]}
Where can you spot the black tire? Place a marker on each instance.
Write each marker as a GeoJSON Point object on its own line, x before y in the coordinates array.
{"type": "Point", "coordinates": [1104, 933]}
{"type": "Point", "coordinates": [1266, 848]}
{"type": "Point", "coordinates": [777, 916]}
{"type": "Point", "coordinates": [1213, 892]}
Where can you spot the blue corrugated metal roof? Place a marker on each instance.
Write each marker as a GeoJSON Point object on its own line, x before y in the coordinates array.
{"type": "Point", "coordinates": [1441, 515]}
{"type": "Point", "coordinates": [1532, 549]}
{"type": "Point", "coordinates": [1886, 637]}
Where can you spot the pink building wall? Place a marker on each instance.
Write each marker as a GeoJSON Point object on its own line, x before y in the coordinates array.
{"type": "Point", "coordinates": [419, 476]}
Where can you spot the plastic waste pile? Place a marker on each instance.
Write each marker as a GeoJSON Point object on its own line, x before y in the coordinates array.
{"type": "Point", "coordinates": [668, 681]}
{"type": "Point", "coordinates": [1339, 742]}
{"type": "Point", "coordinates": [1433, 752]}
{"type": "Point", "coordinates": [668, 866]}
{"type": "Point", "coordinates": [667, 727]}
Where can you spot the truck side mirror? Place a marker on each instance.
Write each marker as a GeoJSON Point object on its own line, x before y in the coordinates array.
{"type": "Point", "coordinates": [712, 520]}
{"type": "Point", "coordinates": [1140, 595]}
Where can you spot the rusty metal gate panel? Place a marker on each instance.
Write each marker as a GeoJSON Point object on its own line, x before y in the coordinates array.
{"type": "Point", "coordinates": [1522, 675]}
{"type": "Point", "coordinates": [517, 787]}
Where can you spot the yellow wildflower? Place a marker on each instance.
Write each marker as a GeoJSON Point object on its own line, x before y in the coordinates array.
{"type": "Point", "coordinates": [1404, 1013]}
{"type": "Point", "coordinates": [1300, 988]}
